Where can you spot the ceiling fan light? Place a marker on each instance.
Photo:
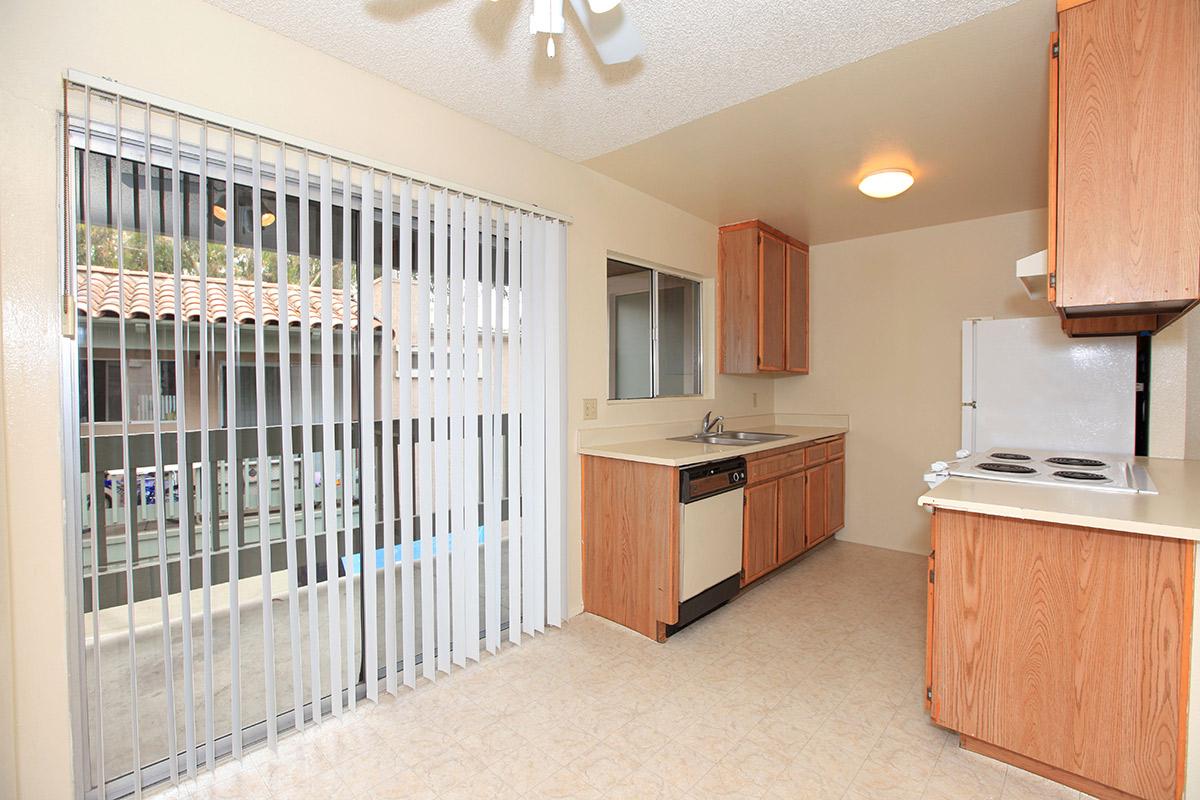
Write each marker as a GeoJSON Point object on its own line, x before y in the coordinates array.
{"type": "Point", "coordinates": [602, 6]}
{"type": "Point", "coordinates": [886, 183]}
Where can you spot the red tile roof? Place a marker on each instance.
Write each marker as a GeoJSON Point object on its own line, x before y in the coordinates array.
{"type": "Point", "coordinates": [101, 298]}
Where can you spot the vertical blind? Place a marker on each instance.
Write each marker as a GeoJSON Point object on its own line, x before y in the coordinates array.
{"type": "Point", "coordinates": [349, 472]}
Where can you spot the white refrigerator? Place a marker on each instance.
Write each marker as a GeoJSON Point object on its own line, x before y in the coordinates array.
{"type": "Point", "coordinates": [1026, 384]}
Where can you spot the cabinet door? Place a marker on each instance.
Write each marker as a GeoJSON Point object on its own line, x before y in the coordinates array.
{"type": "Point", "coordinates": [791, 516]}
{"type": "Point", "coordinates": [772, 303]}
{"type": "Point", "coordinates": [758, 530]}
{"type": "Point", "coordinates": [737, 301]}
{"type": "Point", "coordinates": [835, 496]}
{"type": "Point", "coordinates": [814, 505]}
{"type": "Point", "coordinates": [797, 310]}
{"type": "Point", "coordinates": [1128, 175]}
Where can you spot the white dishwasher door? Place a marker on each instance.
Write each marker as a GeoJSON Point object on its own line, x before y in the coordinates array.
{"type": "Point", "coordinates": [710, 542]}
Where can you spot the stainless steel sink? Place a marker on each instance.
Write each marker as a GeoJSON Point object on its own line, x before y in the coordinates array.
{"type": "Point", "coordinates": [753, 436]}
{"type": "Point", "coordinates": [736, 438]}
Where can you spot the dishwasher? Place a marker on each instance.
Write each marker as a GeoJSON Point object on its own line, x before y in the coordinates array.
{"type": "Point", "coordinates": [710, 537]}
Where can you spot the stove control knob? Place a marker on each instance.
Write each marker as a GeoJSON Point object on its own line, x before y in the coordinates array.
{"type": "Point", "coordinates": [962, 453]}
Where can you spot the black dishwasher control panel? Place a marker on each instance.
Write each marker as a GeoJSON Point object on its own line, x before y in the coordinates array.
{"type": "Point", "coordinates": [715, 477]}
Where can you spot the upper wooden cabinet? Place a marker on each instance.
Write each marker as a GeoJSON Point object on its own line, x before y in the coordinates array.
{"type": "Point", "coordinates": [1124, 249]}
{"type": "Point", "coordinates": [772, 305]}
{"type": "Point", "coordinates": [762, 300]}
{"type": "Point", "coordinates": [796, 325]}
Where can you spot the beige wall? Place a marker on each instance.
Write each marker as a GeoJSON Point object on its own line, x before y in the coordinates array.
{"type": "Point", "coordinates": [192, 52]}
{"type": "Point", "coordinates": [886, 349]}
{"type": "Point", "coordinates": [1175, 390]}
{"type": "Point", "coordinates": [8, 753]}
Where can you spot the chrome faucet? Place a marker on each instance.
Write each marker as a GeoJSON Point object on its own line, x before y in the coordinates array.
{"type": "Point", "coordinates": [707, 425]}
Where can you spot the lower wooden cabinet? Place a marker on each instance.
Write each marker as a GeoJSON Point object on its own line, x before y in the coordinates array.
{"type": "Point", "coordinates": [814, 507]}
{"type": "Point", "coordinates": [759, 552]}
{"type": "Point", "coordinates": [1063, 650]}
{"type": "Point", "coordinates": [795, 500]}
{"type": "Point", "coordinates": [792, 504]}
{"type": "Point", "coordinates": [835, 496]}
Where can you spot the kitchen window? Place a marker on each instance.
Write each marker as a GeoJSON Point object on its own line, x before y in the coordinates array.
{"type": "Point", "coordinates": [654, 329]}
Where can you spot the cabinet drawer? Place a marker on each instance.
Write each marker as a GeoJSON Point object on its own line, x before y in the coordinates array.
{"type": "Point", "coordinates": [815, 454]}
{"type": "Point", "coordinates": [837, 447]}
{"type": "Point", "coordinates": [770, 466]}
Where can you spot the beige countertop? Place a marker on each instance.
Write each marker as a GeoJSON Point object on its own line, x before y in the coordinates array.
{"type": "Point", "coordinates": [1173, 512]}
{"type": "Point", "coordinates": [679, 454]}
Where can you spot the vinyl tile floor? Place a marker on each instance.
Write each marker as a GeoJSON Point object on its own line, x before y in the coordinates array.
{"type": "Point", "coordinates": [807, 686]}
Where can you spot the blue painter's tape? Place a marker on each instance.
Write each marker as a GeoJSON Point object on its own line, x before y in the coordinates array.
{"type": "Point", "coordinates": [356, 559]}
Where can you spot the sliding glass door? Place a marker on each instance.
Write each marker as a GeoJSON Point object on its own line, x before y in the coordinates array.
{"type": "Point", "coordinates": [318, 415]}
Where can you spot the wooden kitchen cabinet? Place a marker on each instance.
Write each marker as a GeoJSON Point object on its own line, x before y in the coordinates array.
{"type": "Point", "coordinates": [795, 499]}
{"type": "Point", "coordinates": [773, 305]}
{"type": "Point", "coordinates": [762, 301]}
{"type": "Point", "coordinates": [835, 496]}
{"type": "Point", "coordinates": [792, 502]}
{"type": "Point", "coordinates": [1124, 237]}
{"type": "Point", "coordinates": [796, 325]}
{"type": "Point", "coordinates": [759, 531]}
{"type": "Point", "coordinates": [814, 505]}
{"type": "Point", "coordinates": [631, 543]}
{"type": "Point", "coordinates": [631, 528]}
{"type": "Point", "coordinates": [1063, 650]}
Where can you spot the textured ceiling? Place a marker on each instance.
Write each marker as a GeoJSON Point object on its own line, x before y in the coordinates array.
{"type": "Point", "coordinates": [964, 110]}
{"type": "Point", "coordinates": [477, 56]}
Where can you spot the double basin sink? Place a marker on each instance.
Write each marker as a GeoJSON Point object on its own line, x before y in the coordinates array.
{"type": "Point", "coordinates": [737, 438]}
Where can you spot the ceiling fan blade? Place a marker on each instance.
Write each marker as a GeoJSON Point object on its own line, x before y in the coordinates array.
{"type": "Point", "coordinates": [613, 34]}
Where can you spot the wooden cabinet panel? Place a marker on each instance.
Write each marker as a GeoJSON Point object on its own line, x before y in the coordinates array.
{"type": "Point", "coordinates": [760, 469]}
{"type": "Point", "coordinates": [737, 301]}
{"type": "Point", "coordinates": [631, 542]}
{"type": "Point", "coordinates": [929, 617]}
{"type": "Point", "coordinates": [792, 541]}
{"type": "Point", "coordinates": [1114, 326]}
{"type": "Point", "coordinates": [1064, 647]}
{"type": "Point", "coordinates": [814, 505]}
{"type": "Point", "coordinates": [797, 310]}
{"type": "Point", "coordinates": [1128, 166]}
{"type": "Point", "coordinates": [815, 454]}
{"type": "Point", "coordinates": [758, 530]}
{"type": "Point", "coordinates": [1052, 182]}
{"type": "Point", "coordinates": [835, 496]}
{"type": "Point", "coordinates": [772, 304]}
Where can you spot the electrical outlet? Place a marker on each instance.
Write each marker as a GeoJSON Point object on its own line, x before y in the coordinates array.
{"type": "Point", "coordinates": [754, 399]}
{"type": "Point", "coordinates": [589, 408]}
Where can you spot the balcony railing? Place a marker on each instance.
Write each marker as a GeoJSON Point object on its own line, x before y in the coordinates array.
{"type": "Point", "coordinates": [115, 551]}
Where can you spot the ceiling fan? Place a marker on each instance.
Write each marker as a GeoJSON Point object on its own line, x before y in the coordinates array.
{"type": "Point", "coordinates": [612, 33]}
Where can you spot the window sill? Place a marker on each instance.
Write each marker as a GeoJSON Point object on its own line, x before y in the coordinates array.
{"type": "Point", "coordinates": [667, 398]}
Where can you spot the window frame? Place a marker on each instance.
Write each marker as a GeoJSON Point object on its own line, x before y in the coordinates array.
{"type": "Point", "coordinates": [655, 271]}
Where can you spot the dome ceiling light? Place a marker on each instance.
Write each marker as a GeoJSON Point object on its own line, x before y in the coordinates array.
{"type": "Point", "coordinates": [886, 183]}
